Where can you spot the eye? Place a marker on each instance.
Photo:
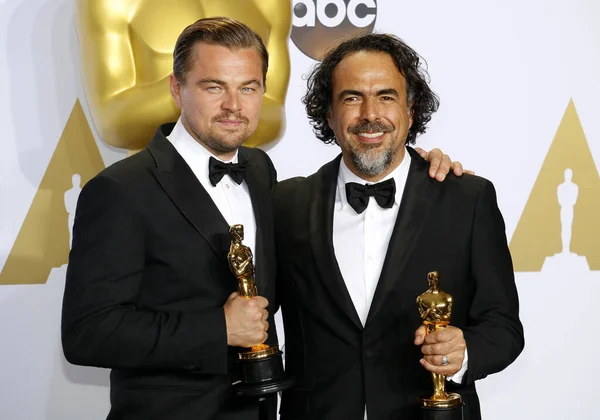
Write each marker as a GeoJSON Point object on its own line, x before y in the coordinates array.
{"type": "Point", "coordinates": [248, 90]}
{"type": "Point", "coordinates": [350, 99]}
{"type": "Point", "coordinates": [387, 98]}
{"type": "Point", "coordinates": [214, 89]}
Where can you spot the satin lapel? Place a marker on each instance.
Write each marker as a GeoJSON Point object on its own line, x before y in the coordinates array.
{"type": "Point", "coordinates": [189, 196]}
{"type": "Point", "coordinates": [321, 234]}
{"type": "Point", "coordinates": [419, 194]}
{"type": "Point", "coordinates": [260, 194]}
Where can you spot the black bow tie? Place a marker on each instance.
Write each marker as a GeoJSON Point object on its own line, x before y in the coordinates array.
{"type": "Point", "coordinates": [218, 169]}
{"type": "Point", "coordinates": [383, 192]}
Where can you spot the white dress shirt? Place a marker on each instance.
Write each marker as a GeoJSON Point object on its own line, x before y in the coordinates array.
{"type": "Point", "coordinates": [360, 241]}
{"type": "Point", "coordinates": [232, 200]}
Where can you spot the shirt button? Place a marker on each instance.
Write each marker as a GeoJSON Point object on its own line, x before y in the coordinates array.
{"type": "Point", "coordinates": [227, 186]}
{"type": "Point", "coordinates": [371, 257]}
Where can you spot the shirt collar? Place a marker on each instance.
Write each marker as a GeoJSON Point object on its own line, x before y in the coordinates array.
{"type": "Point", "coordinates": [345, 175]}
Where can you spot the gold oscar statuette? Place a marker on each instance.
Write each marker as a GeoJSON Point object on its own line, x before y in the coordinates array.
{"type": "Point", "coordinates": [261, 365]}
{"type": "Point", "coordinates": [435, 308]}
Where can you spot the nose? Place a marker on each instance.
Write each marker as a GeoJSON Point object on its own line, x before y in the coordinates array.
{"type": "Point", "coordinates": [231, 102]}
{"type": "Point", "coordinates": [369, 110]}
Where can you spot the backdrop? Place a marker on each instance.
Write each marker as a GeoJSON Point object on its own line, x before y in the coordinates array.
{"type": "Point", "coordinates": [519, 88]}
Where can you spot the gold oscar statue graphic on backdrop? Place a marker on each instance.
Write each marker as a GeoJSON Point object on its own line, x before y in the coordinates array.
{"type": "Point", "coordinates": [546, 229]}
{"type": "Point", "coordinates": [261, 366]}
{"type": "Point", "coordinates": [43, 241]}
{"type": "Point", "coordinates": [435, 308]}
{"type": "Point", "coordinates": [566, 194]}
{"type": "Point", "coordinates": [126, 49]}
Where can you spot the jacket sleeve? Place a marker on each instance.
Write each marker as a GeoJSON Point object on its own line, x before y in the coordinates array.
{"type": "Point", "coordinates": [494, 336]}
{"type": "Point", "coordinates": [102, 323]}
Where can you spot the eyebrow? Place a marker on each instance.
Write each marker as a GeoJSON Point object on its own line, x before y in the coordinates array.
{"type": "Point", "coordinates": [223, 83]}
{"type": "Point", "coordinates": [382, 92]}
{"type": "Point", "coordinates": [211, 81]}
{"type": "Point", "coordinates": [390, 92]}
{"type": "Point", "coordinates": [252, 82]}
{"type": "Point", "coordinates": [349, 92]}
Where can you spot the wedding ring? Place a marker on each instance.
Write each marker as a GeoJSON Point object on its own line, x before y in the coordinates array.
{"type": "Point", "coordinates": [444, 360]}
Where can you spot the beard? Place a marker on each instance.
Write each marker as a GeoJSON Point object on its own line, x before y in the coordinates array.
{"type": "Point", "coordinates": [370, 159]}
{"type": "Point", "coordinates": [224, 142]}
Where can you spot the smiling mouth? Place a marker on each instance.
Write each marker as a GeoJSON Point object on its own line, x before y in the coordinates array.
{"type": "Point", "coordinates": [370, 137]}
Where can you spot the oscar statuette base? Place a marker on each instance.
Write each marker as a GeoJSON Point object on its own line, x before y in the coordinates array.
{"type": "Point", "coordinates": [450, 408]}
{"type": "Point", "coordinates": [262, 372]}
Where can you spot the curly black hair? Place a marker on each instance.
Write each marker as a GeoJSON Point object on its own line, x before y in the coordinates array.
{"type": "Point", "coordinates": [318, 98]}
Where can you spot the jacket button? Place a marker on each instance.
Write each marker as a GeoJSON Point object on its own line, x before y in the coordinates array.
{"type": "Point", "coordinates": [370, 354]}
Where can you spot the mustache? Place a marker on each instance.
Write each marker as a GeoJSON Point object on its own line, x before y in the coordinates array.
{"type": "Point", "coordinates": [231, 116]}
{"type": "Point", "coordinates": [370, 127]}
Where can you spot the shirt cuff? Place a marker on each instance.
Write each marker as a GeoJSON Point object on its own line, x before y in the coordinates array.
{"type": "Point", "coordinates": [458, 376]}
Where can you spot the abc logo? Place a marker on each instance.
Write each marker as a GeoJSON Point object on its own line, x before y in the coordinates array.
{"type": "Point", "coordinates": [318, 24]}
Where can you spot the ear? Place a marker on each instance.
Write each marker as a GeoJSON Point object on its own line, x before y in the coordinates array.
{"type": "Point", "coordinates": [410, 115]}
{"type": "Point", "coordinates": [329, 116]}
{"type": "Point", "coordinates": [175, 90]}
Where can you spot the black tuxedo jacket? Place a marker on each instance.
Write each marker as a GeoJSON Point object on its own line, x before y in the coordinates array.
{"type": "Point", "coordinates": [147, 280]}
{"type": "Point", "coordinates": [453, 227]}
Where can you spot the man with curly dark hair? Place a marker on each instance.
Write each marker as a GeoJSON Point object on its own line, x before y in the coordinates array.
{"type": "Point", "coordinates": [357, 239]}
{"type": "Point", "coordinates": [422, 100]}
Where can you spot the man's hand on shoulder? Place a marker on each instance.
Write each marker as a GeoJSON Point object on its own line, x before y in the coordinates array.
{"type": "Point", "coordinates": [440, 164]}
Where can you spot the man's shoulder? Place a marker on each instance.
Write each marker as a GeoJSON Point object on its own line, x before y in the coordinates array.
{"type": "Point", "coordinates": [294, 182]}
{"type": "Point", "coordinates": [131, 169]}
{"type": "Point", "coordinates": [451, 183]}
{"type": "Point", "coordinates": [289, 191]}
{"type": "Point", "coordinates": [468, 189]}
{"type": "Point", "coordinates": [465, 183]}
{"type": "Point", "coordinates": [260, 161]}
{"type": "Point", "coordinates": [296, 185]}
{"type": "Point", "coordinates": [254, 154]}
